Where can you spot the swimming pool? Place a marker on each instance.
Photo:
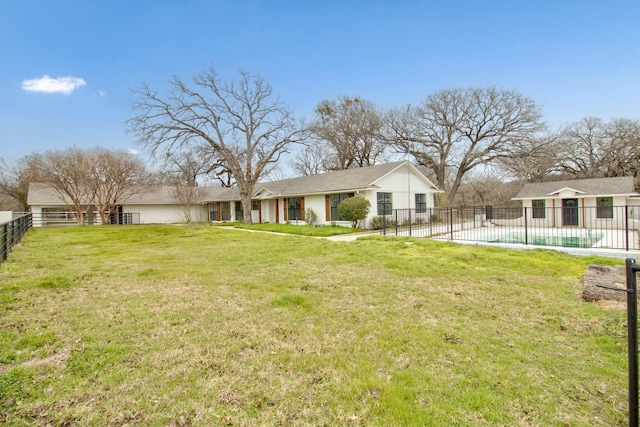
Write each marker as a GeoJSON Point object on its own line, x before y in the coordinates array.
{"type": "Point", "coordinates": [572, 239]}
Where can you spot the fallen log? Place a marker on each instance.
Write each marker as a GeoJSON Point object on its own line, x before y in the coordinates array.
{"type": "Point", "coordinates": [604, 275]}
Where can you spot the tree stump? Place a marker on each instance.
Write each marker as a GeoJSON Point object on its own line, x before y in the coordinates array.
{"type": "Point", "coordinates": [607, 276]}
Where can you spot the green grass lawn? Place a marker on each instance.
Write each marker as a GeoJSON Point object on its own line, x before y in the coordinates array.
{"type": "Point", "coordinates": [300, 230]}
{"type": "Point", "coordinates": [202, 326]}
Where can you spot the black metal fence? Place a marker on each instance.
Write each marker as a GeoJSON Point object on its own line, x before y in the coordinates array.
{"type": "Point", "coordinates": [12, 232]}
{"type": "Point", "coordinates": [612, 227]}
{"type": "Point", "coordinates": [62, 219]}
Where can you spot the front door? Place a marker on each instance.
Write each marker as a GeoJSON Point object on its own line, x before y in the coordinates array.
{"type": "Point", "coordinates": [570, 212]}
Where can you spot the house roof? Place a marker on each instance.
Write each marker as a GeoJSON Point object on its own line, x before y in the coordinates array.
{"type": "Point", "coordinates": [44, 194]}
{"type": "Point", "coordinates": [165, 195]}
{"type": "Point", "coordinates": [349, 180]}
{"type": "Point", "coordinates": [334, 182]}
{"type": "Point", "coordinates": [594, 187]}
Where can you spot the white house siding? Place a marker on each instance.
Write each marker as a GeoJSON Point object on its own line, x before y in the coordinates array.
{"type": "Point", "coordinates": [165, 214]}
{"type": "Point", "coordinates": [403, 185]}
{"type": "Point", "coordinates": [37, 215]}
{"type": "Point", "coordinates": [268, 211]}
{"type": "Point", "coordinates": [6, 216]}
{"type": "Point", "coordinates": [591, 221]}
{"type": "Point", "coordinates": [634, 213]}
{"type": "Point", "coordinates": [317, 203]}
{"type": "Point", "coordinates": [587, 216]}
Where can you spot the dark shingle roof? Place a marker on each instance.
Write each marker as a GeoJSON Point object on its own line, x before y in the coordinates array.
{"type": "Point", "coordinates": [330, 182]}
{"type": "Point", "coordinates": [595, 187]}
{"type": "Point", "coordinates": [44, 194]}
{"type": "Point", "coordinates": [325, 183]}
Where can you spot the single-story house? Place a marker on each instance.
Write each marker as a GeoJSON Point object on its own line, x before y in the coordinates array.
{"type": "Point", "coordinates": [398, 185]}
{"type": "Point", "coordinates": [590, 203]}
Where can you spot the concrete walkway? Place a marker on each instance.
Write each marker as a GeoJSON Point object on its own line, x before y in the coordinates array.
{"type": "Point", "coordinates": [339, 238]}
{"type": "Point", "coordinates": [351, 236]}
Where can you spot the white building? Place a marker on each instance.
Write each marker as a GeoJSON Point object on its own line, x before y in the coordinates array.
{"type": "Point", "coordinates": [398, 185]}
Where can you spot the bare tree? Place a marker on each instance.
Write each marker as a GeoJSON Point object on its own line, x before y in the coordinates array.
{"type": "Point", "coordinates": [623, 157]}
{"type": "Point", "coordinates": [199, 163]}
{"type": "Point", "coordinates": [188, 196]}
{"type": "Point", "coordinates": [186, 168]}
{"type": "Point", "coordinates": [89, 178]}
{"type": "Point", "coordinates": [312, 159]}
{"type": "Point", "coordinates": [15, 179]}
{"type": "Point", "coordinates": [68, 172]}
{"type": "Point", "coordinates": [486, 188]}
{"type": "Point", "coordinates": [351, 129]}
{"type": "Point", "coordinates": [535, 160]}
{"type": "Point", "coordinates": [463, 129]}
{"type": "Point", "coordinates": [114, 177]}
{"type": "Point", "coordinates": [583, 148]}
{"type": "Point", "coordinates": [594, 148]}
{"type": "Point", "coordinates": [242, 121]}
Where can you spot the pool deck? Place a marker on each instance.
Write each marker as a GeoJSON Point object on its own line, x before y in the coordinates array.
{"type": "Point", "coordinates": [604, 252]}
{"type": "Point", "coordinates": [610, 246]}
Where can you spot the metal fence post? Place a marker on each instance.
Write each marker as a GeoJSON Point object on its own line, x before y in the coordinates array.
{"type": "Point", "coordinates": [4, 247]}
{"type": "Point", "coordinates": [632, 336]}
{"type": "Point", "coordinates": [451, 221]}
{"type": "Point", "coordinates": [626, 227]}
{"type": "Point", "coordinates": [396, 223]}
{"type": "Point", "coordinates": [526, 228]}
{"type": "Point", "coordinates": [632, 333]}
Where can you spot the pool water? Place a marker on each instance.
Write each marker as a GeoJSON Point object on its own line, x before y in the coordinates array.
{"type": "Point", "coordinates": [565, 241]}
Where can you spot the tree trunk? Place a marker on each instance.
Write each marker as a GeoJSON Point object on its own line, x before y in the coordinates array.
{"type": "Point", "coordinates": [79, 213]}
{"type": "Point", "coordinates": [245, 199]}
{"type": "Point", "coordinates": [606, 276]}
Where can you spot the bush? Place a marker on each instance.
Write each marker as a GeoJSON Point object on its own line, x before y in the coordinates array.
{"type": "Point", "coordinates": [377, 222]}
{"type": "Point", "coordinates": [354, 209]}
{"type": "Point", "coordinates": [310, 216]}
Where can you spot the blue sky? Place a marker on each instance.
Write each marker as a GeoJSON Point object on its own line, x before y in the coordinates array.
{"type": "Point", "coordinates": [573, 58]}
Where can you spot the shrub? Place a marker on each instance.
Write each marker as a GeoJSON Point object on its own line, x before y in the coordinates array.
{"type": "Point", "coordinates": [310, 216]}
{"type": "Point", "coordinates": [377, 222]}
{"type": "Point", "coordinates": [354, 209]}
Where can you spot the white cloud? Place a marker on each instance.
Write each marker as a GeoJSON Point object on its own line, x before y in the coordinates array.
{"type": "Point", "coordinates": [47, 84]}
{"type": "Point", "coordinates": [100, 93]}
{"type": "Point", "coordinates": [133, 151]}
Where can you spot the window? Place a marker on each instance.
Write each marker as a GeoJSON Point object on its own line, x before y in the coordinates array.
{"type": "Point", "coordinates": [605, 207]}
{"type": "Point", "coordinates": [254, 205]}
{"type": "Point", "coordinates": [421, 203]}
{"type": "Point", "coordinates": [384, 203]}
{"type": "Point", "coordinates": [294, 208]}
{"type": "Point", "coordinates": [239, 211]}
{"type": "Point", "coordinates": [225, 211]}
{"type": "Point", "coordinates": [213, 211]}
{"type": "Point", "coordinates": [334, 200]}
{"type": "Point", "coordinates": [539, 210]}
